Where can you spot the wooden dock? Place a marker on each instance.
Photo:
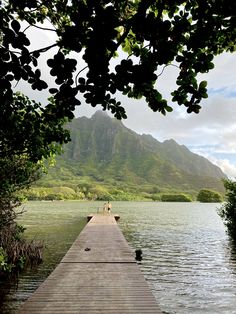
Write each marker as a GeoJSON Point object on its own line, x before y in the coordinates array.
{"type": "Point", "coordinates": [98, 274]}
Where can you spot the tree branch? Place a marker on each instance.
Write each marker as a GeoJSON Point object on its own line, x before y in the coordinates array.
{"type": "Point", "coordinates": [173, 65]}
{"type": "Point", "coordinates": [44, 49]}
{"type": "Point", "coordinates": [44, 28]}
{"type": "Point", "coordinates": [79, 74]}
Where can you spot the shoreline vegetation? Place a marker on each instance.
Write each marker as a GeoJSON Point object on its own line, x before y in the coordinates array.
{"type": "Point", "coordinates": [100, 193]}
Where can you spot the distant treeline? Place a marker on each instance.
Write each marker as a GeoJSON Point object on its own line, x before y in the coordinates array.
{"type": "Point", "coordinates": [88, 192]}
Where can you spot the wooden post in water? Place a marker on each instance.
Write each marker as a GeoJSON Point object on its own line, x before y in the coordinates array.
{"type": "Point", "coordinates": [98, 274]}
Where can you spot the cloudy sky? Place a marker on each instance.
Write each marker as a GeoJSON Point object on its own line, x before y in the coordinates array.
{"type": "Point", "coordinates": [211, 133]}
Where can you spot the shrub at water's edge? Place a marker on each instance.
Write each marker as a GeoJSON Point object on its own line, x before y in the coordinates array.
{"type": "Point", "coordinates": [228, 210]}
{"type": "Point", "coordinates": [209, 196]}
{"type": "Point", "coordinates": [27, 139]}
{"type": "Point", "coordinates": [15, 252]}
{"type": "Point", "coordinates": [175, 198]}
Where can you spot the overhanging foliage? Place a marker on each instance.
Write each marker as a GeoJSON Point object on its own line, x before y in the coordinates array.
{"type": "Point", "coordinates": [187, 34]}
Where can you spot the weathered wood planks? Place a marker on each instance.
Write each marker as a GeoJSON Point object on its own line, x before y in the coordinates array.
{"type": "Point", "coordinates": [97, 275]}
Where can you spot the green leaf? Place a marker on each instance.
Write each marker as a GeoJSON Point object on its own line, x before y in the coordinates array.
{"type": "Point", "coordinates": [169, 109]}
{"type": "Point", "coordinates": [204, 95]}
{"type": "Point", "coordinates": [53, 90]}
{"type": "Point", "coordinates": [203, 84]}
{"type": "Point", "coordinates": [15, 26]}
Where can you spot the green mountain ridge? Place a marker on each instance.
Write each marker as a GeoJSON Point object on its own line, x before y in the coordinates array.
{"type": "Point", "coordinates": [104, 152]}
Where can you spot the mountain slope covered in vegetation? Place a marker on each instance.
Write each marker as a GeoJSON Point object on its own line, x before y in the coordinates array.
{"type": "Point", "coordinates": [105, 154]}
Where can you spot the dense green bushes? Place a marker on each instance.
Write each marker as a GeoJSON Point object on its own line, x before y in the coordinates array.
{"type": "Point", "coordinates": [209, 196]}
{"type": "Point", "coordinates": [93, 191]}
{"type": "Point", "coordinates": [54, 193]}
{"type": "Point", "coordinates": [175, 198]}
{"type": "Point", "coordinates": [228, 210]}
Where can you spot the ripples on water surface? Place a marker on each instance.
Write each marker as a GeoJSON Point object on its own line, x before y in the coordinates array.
{"type": "Point", "coordinates": [187, 258]}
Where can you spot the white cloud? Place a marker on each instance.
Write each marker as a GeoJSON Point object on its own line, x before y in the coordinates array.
{"type": "Point", "coordinates": [224, 160]}
{"type": "Point", "coordinates": [223, 75]}
{"type": "Point", "coordinates": [215, 124]}
{"type": "Point", "coordinates": [228, 168]}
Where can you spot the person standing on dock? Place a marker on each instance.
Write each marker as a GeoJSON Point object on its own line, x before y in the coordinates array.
{"type": "Point", "coordinates": [109, 206]}
{"type": "Point", "coordinates": [104, 207]}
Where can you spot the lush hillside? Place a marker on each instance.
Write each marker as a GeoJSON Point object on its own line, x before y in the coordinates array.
{"type": "Point", "coordinates": [105, 154]}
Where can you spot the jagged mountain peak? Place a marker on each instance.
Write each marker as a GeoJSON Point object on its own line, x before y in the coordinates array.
{"type": "Point", "coordinates": [170, 141]}
{"type": "Point", "coordinates": [99, 113]}
{"type": "Point", "coordinates": [105, 147]}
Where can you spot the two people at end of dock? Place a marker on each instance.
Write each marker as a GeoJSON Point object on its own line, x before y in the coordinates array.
{"type": "Point", "coordinates": [107, 207]}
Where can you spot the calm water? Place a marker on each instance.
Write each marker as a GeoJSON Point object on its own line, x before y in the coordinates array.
{"type": "Point", "coordinates": [187, 258]}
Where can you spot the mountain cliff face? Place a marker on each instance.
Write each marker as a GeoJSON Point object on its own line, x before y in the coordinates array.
{"type": "Point", "coordinates": [103, 149]}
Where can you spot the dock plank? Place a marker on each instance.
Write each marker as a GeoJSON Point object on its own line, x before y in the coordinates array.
{"type": "Point", "coordinates": [98, 274]}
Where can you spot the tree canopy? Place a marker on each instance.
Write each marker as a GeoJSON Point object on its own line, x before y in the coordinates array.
{"type": "Point", "coordinates": [153, 34]}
